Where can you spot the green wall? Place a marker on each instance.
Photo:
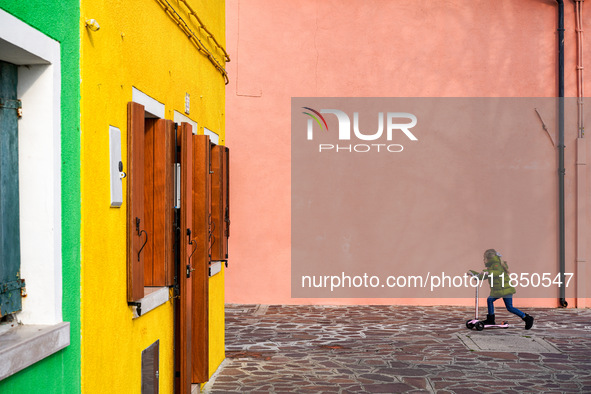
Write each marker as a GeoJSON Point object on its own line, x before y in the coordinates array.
{"type": "Point", "coordinates": [60, 373]}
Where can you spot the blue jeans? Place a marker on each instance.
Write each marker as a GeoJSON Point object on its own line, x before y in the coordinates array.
{"type": "Point", "coordinates": [508, 300]}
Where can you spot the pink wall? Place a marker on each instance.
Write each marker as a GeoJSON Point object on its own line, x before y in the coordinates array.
{"type": "Point", "coordinates": [377, 48]}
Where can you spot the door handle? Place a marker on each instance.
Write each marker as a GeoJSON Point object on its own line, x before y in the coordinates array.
{"type": "Point", "coordinates": [194, 243]}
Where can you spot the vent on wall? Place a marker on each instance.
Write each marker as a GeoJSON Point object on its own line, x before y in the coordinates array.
{"type": "Point", "coordinates": [150, 366]}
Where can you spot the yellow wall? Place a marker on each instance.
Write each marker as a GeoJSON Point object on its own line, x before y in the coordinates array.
{"type": "Point", "coordinates": [137, 45]}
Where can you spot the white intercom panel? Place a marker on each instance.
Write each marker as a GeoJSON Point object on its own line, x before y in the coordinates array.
{"type": "Point", "coordinates": [116, 167]}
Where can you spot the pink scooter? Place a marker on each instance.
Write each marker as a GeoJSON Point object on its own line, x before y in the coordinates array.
{"type": "Point", "coordinates": [479, 324]}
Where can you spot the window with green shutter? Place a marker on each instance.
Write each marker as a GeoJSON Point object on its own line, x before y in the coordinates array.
{"type": "Point", "coordinates": [10, 256]}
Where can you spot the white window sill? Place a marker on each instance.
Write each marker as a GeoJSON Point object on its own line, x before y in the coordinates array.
{"type": "Point", "coordinates": [214, 268]}
{"type": "Point", "coordinates": [154, 297]}
{"type": "Point", "coordinates": [25, 345]}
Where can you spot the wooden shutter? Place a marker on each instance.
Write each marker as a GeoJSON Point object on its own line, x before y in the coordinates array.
{"type": "Point", "coordinates": [184, 302]}
{"type": "Point", "coordinates": [220, 202]}
{"type": "Point", "coordinates": [136, 233]}
{"type": "Point", "coordinates": [159, 202]}
{"type": "Point", "coordinates": [10, 256]}
{"type": "Point", "coordinates": [148, 187]}
{"type": "Point", "coordinates": [201, 218]}
{"type": "Point", "coordinates": [217, 193]}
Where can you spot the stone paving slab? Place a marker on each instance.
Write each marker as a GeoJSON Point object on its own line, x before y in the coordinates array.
{"type": "Point", "coordinates": [393, 349]}
{"type": "Point", "coordinates": [512, 343]}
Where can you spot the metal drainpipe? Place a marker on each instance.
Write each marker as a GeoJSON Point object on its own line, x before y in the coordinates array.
{"type": "Point", "coordinates": [561, 169]}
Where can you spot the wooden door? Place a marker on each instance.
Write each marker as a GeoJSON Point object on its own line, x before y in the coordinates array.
{"type": "Point", "coordinates": [201, 222]}
{"type": "Point", "coordinates": [185, 241]}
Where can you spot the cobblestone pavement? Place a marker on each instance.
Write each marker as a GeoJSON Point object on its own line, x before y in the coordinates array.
{"type": "Point", "coordinates": [393, 349]}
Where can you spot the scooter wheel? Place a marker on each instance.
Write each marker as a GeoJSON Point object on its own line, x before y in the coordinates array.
{"type": "Point", "coordinates": [480, 326]}
{"type": "Point", "coordinates": [469, 325]}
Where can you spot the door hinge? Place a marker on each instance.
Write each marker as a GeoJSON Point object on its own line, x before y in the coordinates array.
{"type": "Point", "coordinates": [18, 284]}
{"type": "Point", "coordinates": [13, 104]}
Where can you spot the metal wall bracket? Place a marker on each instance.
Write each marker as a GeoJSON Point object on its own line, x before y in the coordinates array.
{"type": "Point", "coordinates": [138, 306]}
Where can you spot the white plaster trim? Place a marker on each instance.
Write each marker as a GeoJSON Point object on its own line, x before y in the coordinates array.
{"type": "Point", "coordinates": [153, 108]}
{"type": "Point", "coordinates": [26, 345]}
{"type": "Point", "coordinates": [39, 88]}
{"type": "Point", "coordinates": [27, 38]}
{"type": "Point", "coordinates": [213, 136]}
{"type": "Point", "coordinates": [180, 118]}
{"type": "Point", "coordinates": [156, 296]}
{"type": "Point", "coordinates": [214, 268]}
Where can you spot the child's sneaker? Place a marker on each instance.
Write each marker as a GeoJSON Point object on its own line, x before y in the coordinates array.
{"type": "Point", "coordinates": [529, 321]}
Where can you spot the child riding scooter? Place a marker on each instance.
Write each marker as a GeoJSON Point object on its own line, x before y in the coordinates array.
{"type": "Point", "coordinates": [497, 273]}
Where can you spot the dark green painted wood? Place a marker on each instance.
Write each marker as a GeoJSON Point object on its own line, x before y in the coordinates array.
{"type": "Point", "coordinates": [10, 295]}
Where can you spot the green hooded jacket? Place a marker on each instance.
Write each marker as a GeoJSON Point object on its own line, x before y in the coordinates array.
{"type": "Point", "coordinates": [494, 269]}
